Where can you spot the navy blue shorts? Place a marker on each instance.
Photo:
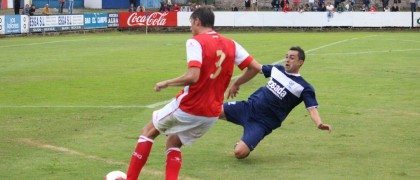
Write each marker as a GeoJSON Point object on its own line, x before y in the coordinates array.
{"type": "Point", "coordinates": [239, 113]}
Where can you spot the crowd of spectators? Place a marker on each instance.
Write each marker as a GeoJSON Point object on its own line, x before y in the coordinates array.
{"type": "Point", "coordinates": [338, 5]}
{"type": "Point", "coordinates": [322, 5]}
{"type": "Point", "coordinates": [251, 5]}
{"type": "Point", "coordinates": [46, 10]}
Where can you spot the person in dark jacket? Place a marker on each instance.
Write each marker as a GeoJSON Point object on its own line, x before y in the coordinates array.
{"type": "Point", "coordinates": [16, 6]}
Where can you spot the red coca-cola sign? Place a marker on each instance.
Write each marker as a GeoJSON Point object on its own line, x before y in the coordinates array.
{"type": "Point", "coordinates": [140, 19]}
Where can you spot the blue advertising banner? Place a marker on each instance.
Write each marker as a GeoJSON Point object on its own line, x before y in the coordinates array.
{"type": "Point", "coordinates": [112, 20]}
{"type": "Point", "coordinates": [96, 20]}
{"type": "Point", "coordinates": [12, 24]}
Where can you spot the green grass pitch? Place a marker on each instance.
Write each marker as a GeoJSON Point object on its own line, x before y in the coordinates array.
{"type": "Point", "coordinates": [72, 106]}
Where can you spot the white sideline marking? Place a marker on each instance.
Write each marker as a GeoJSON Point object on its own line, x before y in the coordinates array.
{"type": "Point", "coordinates": [154, 105]}
{"type": "Point", "coordinates": [68, 151]}
{"type": "Point", "coordinates": [151, 106]}
{"type": "Point", "coordinates": [87, 156]}
{"type": "Point", "coordinates": [41, 106]}
{"type": "Point", "coordinates": [40, 43]}
{"type": "Point", "coordinates": [366, 52]}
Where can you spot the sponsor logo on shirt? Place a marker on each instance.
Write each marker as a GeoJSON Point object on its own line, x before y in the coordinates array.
{"type": "Point", "coordinates": [285, 82]}
{"type": "Point", "coordinates": [277, 89]}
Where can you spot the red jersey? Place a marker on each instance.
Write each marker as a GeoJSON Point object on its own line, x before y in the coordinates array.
{"type": "Point", "coordinates": [216, 56]}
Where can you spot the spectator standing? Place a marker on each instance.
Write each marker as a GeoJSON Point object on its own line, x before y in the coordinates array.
{"type": "Point", "coordinates": [340, 8]}
{"type": "Point", "coordinates": [26, 9]}
{"type": "Point", "coordinates": [176, 7]}
{"type": "Point", "coordinates": [295, 5]}
{"type": "Point", "coordinates": [372, 8]}
{"type": "Point", "coordinates": [320, 2]}
{"type": "Point", "coordinates": [71, 3]}
{"type": "Point", "coordinates": [163, 6]}
{"type": "Point", "coordinates": [322, 8]}
{"type": "Point", "coordinates": [398, 3]}
{"type": "Point", "coordinates": [413, 5]}
{"type": "Point", "coordinates": [247, 5]}
{"type": "Point", "coordinates": [234, 8]}
{"type": "Point", "coordinates": [284, 4]}
{"type": "Point", "coordinates": [336, 3]}
{"type": "Point", "coordinates": [363, 9]}
{"type": "Point", "coordinates": [140, 9]}
{"type": "Point", "coordinates": [366, 4]}
{"type": "Point", "coordinates": [395, 8]}
{"type": "Point", "coordinates": [311, 4]}
{"type": "Point", "coordinates": [330, 9]}
{"type": "Point", "coordinates": [254, 5]}
{"type": "Point", "coordinates": [46, 10]}
{"type": "Point", "coordinates": [16, 6]}
{"type": "Point", "coordinates": [347, 6]}
{"type": "Point", "coordinates": [61, 3]}
{"type": "Point", "coordinates": [352, 3]}
{"type": "Point", "coordinates": [131, 9]}
{"type": "Point", "coordinates": [385, 4]}
{"type": "Point", "coordinates": [32, 10]}
{"type": "Point", "coordinates": [387, 9]}
{"type": "Point", "coordinates": [275, 4]}
{"type": "Point", "coordinates": [315, 6]}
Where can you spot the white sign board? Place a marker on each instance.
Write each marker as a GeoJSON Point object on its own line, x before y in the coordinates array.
{"type": "Point", "coordinates": [306, 19]}
{"type": "Point", "coordinates": [2, 25]}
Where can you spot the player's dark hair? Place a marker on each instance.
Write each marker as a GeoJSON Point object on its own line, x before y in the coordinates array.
{"type": "Point", "coordinates": [205, 15]}
{"type": "Point", "coordinates": [301, 52]}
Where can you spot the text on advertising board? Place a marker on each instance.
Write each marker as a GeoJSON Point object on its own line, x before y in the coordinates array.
{"type": "Point", "coordinates": [138, 19]}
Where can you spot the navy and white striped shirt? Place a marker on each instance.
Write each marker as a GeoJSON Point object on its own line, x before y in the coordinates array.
{"type": "Point", "coordinates": [271, 104]}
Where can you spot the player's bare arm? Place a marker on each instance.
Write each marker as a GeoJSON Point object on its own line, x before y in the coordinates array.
{"type": "Point", "coordinates": [190, 77]}
{"type": "Point", "coordinates": [252, 69]}
{"type": "Point", "coordinates": [313, 111]}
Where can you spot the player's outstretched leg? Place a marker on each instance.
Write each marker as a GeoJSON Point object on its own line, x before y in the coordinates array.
{"type": "Point", "coordinates": [142, 151]}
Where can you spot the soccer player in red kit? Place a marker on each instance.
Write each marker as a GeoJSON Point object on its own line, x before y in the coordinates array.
{"type": "Point", "coordinates": [211, 59]}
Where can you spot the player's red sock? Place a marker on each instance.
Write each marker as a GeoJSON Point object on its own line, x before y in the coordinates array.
{"type": "Point", "coordinates": [139, 157]}
{"type": "Point", "coordinates": [173, 163]}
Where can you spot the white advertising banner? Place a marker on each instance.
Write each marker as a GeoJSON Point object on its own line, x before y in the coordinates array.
{"type": "Point", "coordinates": [55, 23]}
{"type": "Point", "coordinates": [306, 19]}
{"type": "Point", "coordinates": [184, 18]}
{"type": "Point", "coordinates": [2, 31]}
{"type": "Point", "coordinates": [381, 19]}
{"type": "Point", "coordinates": [24, 27]}
{"type": "Point", "coordinates": [246, 18]}
{"type": "Point", "coordinates": [94, 4]}
{"type": "Point", "coordinates": [417, 19]}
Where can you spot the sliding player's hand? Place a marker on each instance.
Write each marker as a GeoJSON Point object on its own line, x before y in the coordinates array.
{"type": "Point", "coordinates": [233, 91]}
{"type": "Point", "coordinates": [161, 85]}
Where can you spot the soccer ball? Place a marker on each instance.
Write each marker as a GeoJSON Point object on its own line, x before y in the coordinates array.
{"type": "Point", "coordinates": [116, 175]}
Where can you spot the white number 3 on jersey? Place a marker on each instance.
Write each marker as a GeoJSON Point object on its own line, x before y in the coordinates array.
{"type": "Point", "coordinates": [218, 64]}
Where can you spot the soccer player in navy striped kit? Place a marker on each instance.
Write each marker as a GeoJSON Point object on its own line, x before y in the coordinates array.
{"type": "Point", "coordinates": [267, 107]}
